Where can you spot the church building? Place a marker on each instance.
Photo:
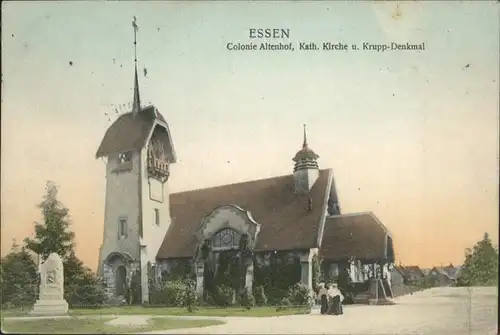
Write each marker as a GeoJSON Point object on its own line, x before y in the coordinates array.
{"type": "Point", "coordinates": [150, 231]}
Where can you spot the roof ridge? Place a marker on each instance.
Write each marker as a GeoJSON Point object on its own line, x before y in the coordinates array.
{"type": "Point", "coordinates": [324, 216]}
{"type": "Point", "coordinates": [350, 214]}
{"type": "Point", "coordinates": [370, 213]}
{"type": "Point", "coordinates": [238, 183]}
{"type": "Point", "coordinates": [142, 109]}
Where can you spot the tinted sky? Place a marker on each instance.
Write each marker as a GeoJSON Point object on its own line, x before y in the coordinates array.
{"type": "Point", "coordinates": [411, 136]}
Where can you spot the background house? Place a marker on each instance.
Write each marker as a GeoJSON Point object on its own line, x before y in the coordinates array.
{"type": "Point", "coordinates": [445, 276]}
{"type": "Point", "coordinates": [397, 276]}
{"type": "Point", "coordinates": [413, 274]}
{"type": "Point", "coordinates": [406, 279]}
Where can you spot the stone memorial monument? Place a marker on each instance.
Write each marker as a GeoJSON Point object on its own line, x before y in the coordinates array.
{"type": "Point", "coordinates": [51, 295]}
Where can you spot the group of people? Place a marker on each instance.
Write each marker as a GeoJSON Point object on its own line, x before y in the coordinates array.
{"type": "Point", "coordinates": [331, 299]}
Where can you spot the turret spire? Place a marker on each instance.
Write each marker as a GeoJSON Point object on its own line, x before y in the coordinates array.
{"type": "Point", "coordinates": [305, 157]}
{"type": "Point", "coordinates": [304, 145]}
{"type": "Point", "coordinates": [306, 169]}
{"type": "Point", "coordinates": [136, 105]}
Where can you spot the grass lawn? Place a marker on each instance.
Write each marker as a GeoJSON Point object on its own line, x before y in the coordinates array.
{"type": "Point", "coordinates": [204, 311]}
{"type": "Point", "coordinates": [89, 326]}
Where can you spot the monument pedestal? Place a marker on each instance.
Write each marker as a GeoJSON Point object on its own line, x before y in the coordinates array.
{"type": "Point", "coordinates": [50, 308]}
{"type": "Point", "coordinates": [51, 298]}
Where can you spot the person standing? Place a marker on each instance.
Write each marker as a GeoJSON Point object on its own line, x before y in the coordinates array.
{"type": "Point", "coordinates": [336, 299]}
{"type": "Point", "coordinates": [322, 294]}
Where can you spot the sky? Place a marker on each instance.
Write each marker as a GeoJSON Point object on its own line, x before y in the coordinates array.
{"type": "Point", "coordinates": [411, 136]}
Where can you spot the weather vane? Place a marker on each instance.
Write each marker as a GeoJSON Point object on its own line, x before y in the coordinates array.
{"type": "Point", "coordinates": [136, 104]}
{"type": "Point", "coordinates": [136, 29]}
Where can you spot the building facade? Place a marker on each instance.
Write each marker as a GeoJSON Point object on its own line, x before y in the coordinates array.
{"type": "Point", "coordinates": [148, 231]}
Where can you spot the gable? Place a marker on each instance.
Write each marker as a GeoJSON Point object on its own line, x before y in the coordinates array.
{"type": "Point", "coordinates": [129, 133]}
{"type": "Point", "coordinates": [359, 235]}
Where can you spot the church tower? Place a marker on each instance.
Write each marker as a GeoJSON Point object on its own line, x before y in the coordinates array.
{"type": "Point", "coordinates": [306, 169]}
{"type": "Point", "coordinates": [138, 151]}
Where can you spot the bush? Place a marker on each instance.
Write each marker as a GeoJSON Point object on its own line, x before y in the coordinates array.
{"type": "Point", "coordinates": [82, 287]}
{"type": "Point", "coordinates": [248, 299]}
{"type": "Point", "coordinates": [224, 296]}
{"type": "Point", "coordinates": [277, 276]}
{"type": "Point", "coordinates": [19, 279]}
{"type": "Point", "coordinates": [174, 292]}
{"type": "Point", "coordinates": [300, 295]}
{"type": "Point", "coordinates": [274, 296]}
{"type": "Point", "coordinates": [190, 298]}
{"type": "Point", "coordinates": [85, 292]}
{"type": "Point", "coordinates": [209, 299]}
{"type": "Point", "coordinates": [260, 296]}
{"type": "Point", "coordinates": [284, 304]}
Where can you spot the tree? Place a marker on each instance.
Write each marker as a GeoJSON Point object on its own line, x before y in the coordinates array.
{"type": "Point", "coordinates": [317, 274]}
{"type": "Point", "coordinates": [19, 278]}
{"type": "Point", "coordinates": [82, 287]}
{"type": "Point", "coordinates": [480, 267]}
{"type": "Point", "coordinates": [54, 235]}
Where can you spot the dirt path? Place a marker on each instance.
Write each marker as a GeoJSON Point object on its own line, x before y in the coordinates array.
{"type": "Point", "coordinates": [437, 311]}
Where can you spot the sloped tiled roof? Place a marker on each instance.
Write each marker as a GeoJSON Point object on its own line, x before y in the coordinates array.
{"type": "Point", "coordinates": [411, 270]}
{"type": "Point", "coordinates": [285, 222]}
{"type": "Point", "coordinates": [128, 133]}
{"type": "Point", "coordinates": [449, 272]}
{"type": "Point", "coordinates": [354, 235]}
{"type": "Point", "coordinates": [453, 272]}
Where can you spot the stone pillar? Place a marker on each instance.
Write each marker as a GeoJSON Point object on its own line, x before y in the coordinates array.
{"type": "Point", "coordinates": [200, 271]}
{"type": "Point", "coordinates": [144, 277]}
{"type": "Point", "coordinates": [109, 280]}
{"type": "Point", "coordinates": [249, 277]}
{"type": "Point", "coordinates": [306, 269]}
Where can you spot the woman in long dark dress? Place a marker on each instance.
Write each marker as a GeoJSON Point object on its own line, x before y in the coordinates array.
{"type": "Point", "coordinates": [336, 299]}
{"type": "Point", "coordinates": [336, 306]}
{"type": "Point", "coordinates": [323, 298]}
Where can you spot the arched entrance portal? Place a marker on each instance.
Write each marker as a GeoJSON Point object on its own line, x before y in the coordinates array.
{"type": "Point", "coordinates": [226, 238]}
{"type": "Point", "coordinates": [224, 266]}
{"type": "Point", "coordinates": [120, 280]}
{"type": "Point", "coordinates": [117, 268]}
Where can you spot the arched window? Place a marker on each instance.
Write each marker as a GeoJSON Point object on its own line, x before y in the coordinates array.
{"type": "Point", "coordinates": [226, 239]}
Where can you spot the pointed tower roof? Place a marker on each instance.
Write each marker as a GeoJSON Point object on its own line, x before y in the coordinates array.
{"type": "Point", "coordinates": [131, 131]}
{"type": "Point", "coordinates": [306, 154]}
{"type": "Point", "coordinates": [136, 105]}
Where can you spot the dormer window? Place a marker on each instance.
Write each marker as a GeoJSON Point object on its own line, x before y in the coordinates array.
{"type": "Point", "coordinates": [124, 157]}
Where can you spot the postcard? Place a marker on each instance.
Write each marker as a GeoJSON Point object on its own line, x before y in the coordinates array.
{"type": "Point", "coordinates": [265, 167]}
